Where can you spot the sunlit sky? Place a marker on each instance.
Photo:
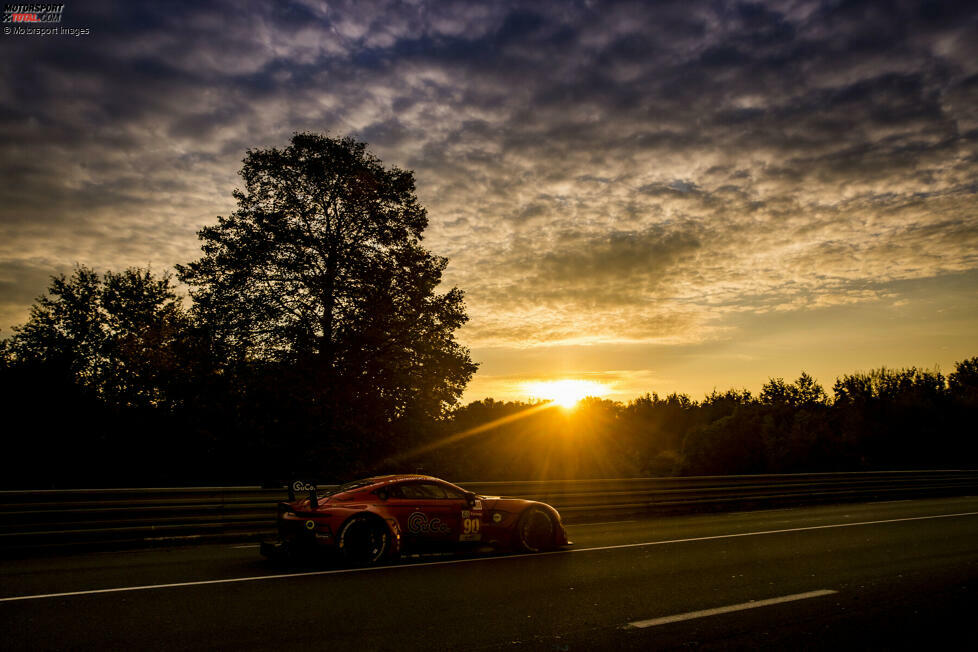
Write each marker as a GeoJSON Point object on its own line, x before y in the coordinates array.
{"type": "Point", "coordinates": [651, 196]}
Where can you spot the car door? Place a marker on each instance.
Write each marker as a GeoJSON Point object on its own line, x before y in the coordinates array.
{"type": "Point", "coordinates": [427, 514]}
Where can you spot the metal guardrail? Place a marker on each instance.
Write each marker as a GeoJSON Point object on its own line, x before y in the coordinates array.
{"type": "Point", "coordinates": [31, 520]}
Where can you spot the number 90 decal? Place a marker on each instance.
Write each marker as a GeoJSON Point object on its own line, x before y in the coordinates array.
{"type": "Point", "coordinates": [470, 526]}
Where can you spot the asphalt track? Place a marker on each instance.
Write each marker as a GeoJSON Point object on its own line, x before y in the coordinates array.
{"type": "Point", "coordinates": [895, 575]}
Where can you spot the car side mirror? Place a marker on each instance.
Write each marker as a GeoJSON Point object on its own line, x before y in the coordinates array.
{"type": "Point", "coordinates": [470, 498]}
{"type": "Point", "coordinates": [382, 494]}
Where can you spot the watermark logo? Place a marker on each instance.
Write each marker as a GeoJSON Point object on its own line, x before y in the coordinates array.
{"type": "Point", "coordinates": [37, 19]}
{"type": "Point", "coordinates": [32, 13]}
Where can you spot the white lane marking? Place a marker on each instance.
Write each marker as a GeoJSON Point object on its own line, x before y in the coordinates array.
{"type": "Point", "coordinates": [367, 569]}
{"type": "Point", "coordinates": [761, 532]}
{"type": "Point", "coordinates": [250, 545]}
{"type": "Point", "coordinates": [257, 578]}
{"type": "Point", "coordinates": [652, 622]}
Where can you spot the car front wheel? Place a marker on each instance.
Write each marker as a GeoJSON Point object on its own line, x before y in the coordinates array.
{"type": "Point", "coordinates": [536, 530]}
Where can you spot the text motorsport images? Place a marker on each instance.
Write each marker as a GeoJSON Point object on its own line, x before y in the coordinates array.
{"type": "Point", "coordinates": [25, 19]}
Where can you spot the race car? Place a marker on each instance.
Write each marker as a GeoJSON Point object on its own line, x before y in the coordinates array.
{"type": "Point", "coordinates": [377, 519]}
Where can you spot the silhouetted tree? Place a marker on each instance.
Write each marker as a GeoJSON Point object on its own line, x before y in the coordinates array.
{"type": "Point", "coordinates": [65, 328]}
{"type": "Point", "coordinates": [319, 282]}
{"type": "Point", "coordinates": [795, 417]}
{"type": "Point", "coordinates": [731, 444]}
{"type": "Point", "coordinates": [656, 427]}
{"type": "Point", "coordinates": [804, 392]}
{"type": "Point", "coordinates": [113, 336]}
{"type": "Point", "coordinates": [95, 373]}
{"type": "Point", "coordinates": [717, 405]}
{"type": "Point", "coordinates": [895, 417]}
{"type": "Point", "coordinates": [963, 382]}
{"type": "Point", "coordinates": [6, 354]}
{"type": "Point", "coordinates": [963, 391]}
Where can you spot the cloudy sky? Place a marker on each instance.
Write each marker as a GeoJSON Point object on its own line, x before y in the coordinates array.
{"type": "Point", "coordinates": [655, 196]}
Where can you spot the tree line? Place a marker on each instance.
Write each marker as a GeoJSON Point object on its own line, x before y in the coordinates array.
{"type": "Point", "coordinates": [113, 382]}
{"type": "Point", "coordinates": [316, 342]}
{"type": "Point", "coordinates": [884, 419]}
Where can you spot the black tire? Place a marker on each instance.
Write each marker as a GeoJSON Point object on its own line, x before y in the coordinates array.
{"type": "Point", "coordinates": [536, 530]}
{"type": "Point", "coordinates": [364, 540]}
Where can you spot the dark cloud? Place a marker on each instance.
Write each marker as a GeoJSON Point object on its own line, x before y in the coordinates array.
{"type": "Point", "coordinates": [616, 257]}
{"type": "Point", "coordinates": [581, 161]}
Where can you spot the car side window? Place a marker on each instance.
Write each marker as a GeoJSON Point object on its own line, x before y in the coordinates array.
{"type": "Point", "coordinates": [430, 490]}
{"type": "Point", "coordinates": [453, 493]}
{"type": "Point", "coordinates": [441, 492]}
{"type": "Point", "coordinates": [412, 491]}
{"type": "Point", "coordinates": [424, 491]}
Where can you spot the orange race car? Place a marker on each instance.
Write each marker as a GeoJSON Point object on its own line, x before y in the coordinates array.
{"type": "Point", "coordinates": [376, 519]}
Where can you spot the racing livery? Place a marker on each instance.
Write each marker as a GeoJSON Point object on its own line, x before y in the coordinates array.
{"type": "Point", "coordinates": [377, 519]}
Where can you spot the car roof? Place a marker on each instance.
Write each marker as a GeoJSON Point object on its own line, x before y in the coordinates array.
{"type": "Point", "coordinates": [389, 479]}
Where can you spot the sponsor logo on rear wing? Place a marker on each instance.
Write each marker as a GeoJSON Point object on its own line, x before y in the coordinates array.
{"type": "Point", "coordinates": [302, 486]}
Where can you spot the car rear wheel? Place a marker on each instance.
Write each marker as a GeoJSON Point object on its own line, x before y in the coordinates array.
{"type": "Point", "coordinates": [536, 530]}
{"type": "Point", "coordinates": [364, 540]}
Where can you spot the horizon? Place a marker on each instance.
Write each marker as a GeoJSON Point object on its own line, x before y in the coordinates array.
{"type": "Point", "coordinates": [521, 395]}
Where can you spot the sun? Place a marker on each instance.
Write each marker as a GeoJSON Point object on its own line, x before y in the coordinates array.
{"type": "Point", "coordinates": [565, 393]}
